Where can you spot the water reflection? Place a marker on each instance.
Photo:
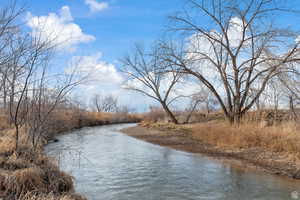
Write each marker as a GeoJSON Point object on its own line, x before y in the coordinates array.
{"type": "Point", "coordinates": [110, 165]}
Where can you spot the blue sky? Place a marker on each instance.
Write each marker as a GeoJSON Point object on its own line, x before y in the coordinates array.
{"type": "Point", "coordinates": [105, 31]}
{"type": "Point", "coordinates": [102, 32]}
{"type": "Point", "coordinates": [115, 28]}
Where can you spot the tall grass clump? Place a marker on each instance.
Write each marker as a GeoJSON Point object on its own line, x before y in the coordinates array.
{"type": "Point", "coordinates": [283, 137]}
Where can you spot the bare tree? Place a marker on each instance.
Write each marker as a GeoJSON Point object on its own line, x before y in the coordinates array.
{"type": "Point", "coordinates": [146, 75]}
{"type": "Point", "coordinates": [28, 93]}
{"type": "Point", "coordinates": [44, 101]}
{"type": "Point", "coordinates": [290, 90]}
{"type": "Point", "coordinates": [30, 54]}
{"type": "Point", "coordinates": [8, 32]}
{"type": "Point", "coordinates": [105, 104]}
{"type": "Point", "coordinates": [203, 100]}
{"type": "Point", "coordinates": [293, 113]}
{"type": "Point", "coordinates": [239, 47]}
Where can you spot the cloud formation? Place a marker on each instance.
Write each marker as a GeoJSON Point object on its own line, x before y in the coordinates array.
{"type": "Point", "coordinates": [204, 52]}
{"type": "Point", "coordinates": [58, 29]}
{"type": "Point", "coordinates": [96, 6]}
{"type": "Point", "coordinates": [105, 80]}
{"type": "Point", "coordinates": [98, 70]}
{"type": "Point", "coordinates": [177, 97]}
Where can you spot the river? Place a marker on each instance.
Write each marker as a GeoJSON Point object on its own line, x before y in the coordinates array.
{"type": "Point", "coordinates": [109, 165]}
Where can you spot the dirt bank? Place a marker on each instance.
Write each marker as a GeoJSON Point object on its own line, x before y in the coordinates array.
{"type": "Point", "coordinates": [181, 139]}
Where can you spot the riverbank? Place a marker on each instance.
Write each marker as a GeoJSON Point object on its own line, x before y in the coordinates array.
{"type": "Point", "coordinates": [29, 174]}
{"type": "Point", "coordinates": [197, 138]}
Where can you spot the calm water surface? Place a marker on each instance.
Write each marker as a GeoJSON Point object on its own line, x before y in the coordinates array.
{"type": "Point", "coordinates": [109, 165]}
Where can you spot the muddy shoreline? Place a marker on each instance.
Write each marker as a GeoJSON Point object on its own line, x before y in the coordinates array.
{"type": "Point", "coordinates": [253, 159]}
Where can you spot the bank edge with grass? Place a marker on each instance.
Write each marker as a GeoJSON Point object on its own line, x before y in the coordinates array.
{"type": "Point", "coordinates": [273, 149]}
{"type": "Point", "coordinates": [31, 175]}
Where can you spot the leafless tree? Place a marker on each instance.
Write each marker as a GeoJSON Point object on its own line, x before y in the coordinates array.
{"type": "Point", "coordinates": [290, 90]}
{"type": "Point", "coordinates": [28, 92]}
{"type": "Point", "coordinates": [146, 75]}
{"type": "Point", "coordinates": [105, 103]}
{"type": "Point", "coordinates": [275, 93]}
{"type": "Point", "coordinates": [44, 101]}
{"type": "Point", "coordinates": [29, 55]}
{"type": "Point", "coordinates": [203, 100]}
{"type": "Point", "coordinates": [237, 48]}
{"type": "Point", "coordinates": [8, 31]}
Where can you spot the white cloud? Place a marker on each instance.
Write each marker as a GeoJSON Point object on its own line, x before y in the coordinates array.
{"type": "Point", "coordinates": [96, 6]}
{"type": "Point", "coordinates": [65, 14]}
{"type": "Point", "coordinates": [198, 47]}
{"type": "Point", "coordinates": [183, 88]}
{"type": "Point", "coordinates": [235, 31]}
{"type": "Point", "coordinates": [297, 40]}
{"type": "Point", "coordinates": [58, 29]}
{"type": "Point", "coordinates": [102, 72]}
{"type": "Point", "coordinates": [202, 50]}
{"type": "Point", "coordinates": [105, 79]}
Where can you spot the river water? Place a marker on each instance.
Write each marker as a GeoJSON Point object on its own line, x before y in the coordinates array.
{"type": "Point", "coordinates": [108, 165]}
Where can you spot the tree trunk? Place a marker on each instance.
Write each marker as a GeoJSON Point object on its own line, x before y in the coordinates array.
{"type": "Point", "coordinates": [169, 113]}
{"type": "Point", "coordinates": [17, 139]}
{"type": "Point", "coordinates": [292, 108]}
{"type": "Point", "coordinates": [234, 118]}
{"type": "Point", "coordinates": [191, 112]}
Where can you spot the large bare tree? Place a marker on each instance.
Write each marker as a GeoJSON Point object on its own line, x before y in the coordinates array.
{"type": "Point", "coordinates": [146, 75]}
{"type": "Point", "coordinates": [233, 47]}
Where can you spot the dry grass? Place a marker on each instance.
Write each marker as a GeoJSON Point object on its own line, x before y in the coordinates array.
{"type": "Point", "coordinates": [66, 120]}
{"type": "Point", "coordinates": [165, 126]}
{"type": "Point", "coordinates": [284, 138]}
{"type": "Point", "coordinates": [7, 141]}
{"type": "Point", "coordinates": [155, 114]}
{"type": "Point", "coordinates": [265, 130]}
{"type": "Point", "coordinates": [4, 124]}
{"type": "Point", "coordinates": [29, 174]}
{"type": "Point", "coordinates": [27, 179]}
{"type": "Point", "coordinates": [281, 138]}
{"type": "Point", "coordinates": [35, 174]}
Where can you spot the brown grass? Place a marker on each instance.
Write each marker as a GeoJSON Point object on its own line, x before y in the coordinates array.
{"type": "Point", "coordinates": [37, 175]}
{"type": "Point", "coordinates": [66, 120]}
{"type": "Point", "coordinates": [29, 174]}
{"type": "Point", "coordinates": [7, 141]}
{"type": "Point", "coordinates": [284, 138]}
{"type": "Point", "coordinates": [4, 124]}
{"type": "Point", "coordinates": [165, 126]}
